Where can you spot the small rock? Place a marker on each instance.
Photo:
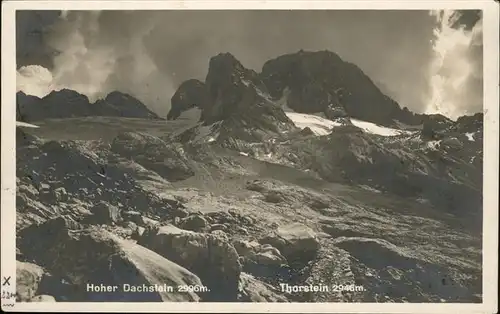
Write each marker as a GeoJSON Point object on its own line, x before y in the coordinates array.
{"type": "Point", "coordinates": [222, 227]}
{"type": "Point", "coordinates": [257, 186]}
{"type": "Point", "coordinates": [247, 220]}
{"type": "Point", "coordinates": [60, 194]}
{"type": "Point", "coordinates": [246, 248]}
{"type": "Point", "coordinates": [44, 187]}
{"type": "Point", "coordinates": [105, 213]}
{"type": "Point", "coordinates": [268, 258]}
{"type": "Point", "coordinates": [241, 230]}
{"type": "Point", "coordinates": [306, 131]}
{"type": "Point", "coordinates": [221, 234]}
{"type": "Point", "coordinates": [318, 204]}
{"type": "Point", "coordinates": [130, 225]}
{"type": "Point", "coordinates": [133, 216]}
{"type": "Point", "coordinates": [43, 298]}
{"type": "Point", "coordinates": [334, 112]}
{"type": "Point", "coordinates": [177, 221]}
{"type": "Point", "coordinates": [179, 212]}
{"type": "Point", "coordinates": [150, 222]}
{"type": "Point", "coordinates": [137, 233]}
{"type": "Point", "coordinates": [274, 197]}
{"type": "Point", "coordinates": [194, 223]}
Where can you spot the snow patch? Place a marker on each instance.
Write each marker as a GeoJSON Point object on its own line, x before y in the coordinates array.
{"type": "Point", "coordinates": [323, 126]}
{"type": "Point", "coordinates": [319, 125]}
{"type": "Point", "coordinates": [373, 128]}
{"type": "Point", "coordinates": [470, 136]}
{"type": "Point", "coordinates": [26, 125]}
{"type": "Point", "coordinates": [244, 154]}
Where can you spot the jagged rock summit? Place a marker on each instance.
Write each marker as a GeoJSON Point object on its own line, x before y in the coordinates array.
{"type": "Point", "coordinates": [234, 104]}
{"type": "Point", "coordinates": [307, 82]}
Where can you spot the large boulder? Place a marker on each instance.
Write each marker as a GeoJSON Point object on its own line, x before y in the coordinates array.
{"type": "Point", "coordinates": [194, 223]}
{"type": "Point", "coordinates": [264, 261]}
{"type": "Point", "coordinates": [28, 278]}
{"type": "Point", "coordinates": [91, 257]}
{"type": "Point", "coordinates": [295, 241]}
{"type": "Point", "coordinates": [105, 213]}
{"type": "Point", "coordinates": [262, 254]}
{"type": "Point", "coordinates": [210, 256]}
{"type": "Point", "coordinates": [253, 290]}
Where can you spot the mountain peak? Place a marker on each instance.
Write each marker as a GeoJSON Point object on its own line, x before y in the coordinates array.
{"type": "Point", "coordinates": [67, 103]}
{"type": "Point", "coordinates": [64, 94]}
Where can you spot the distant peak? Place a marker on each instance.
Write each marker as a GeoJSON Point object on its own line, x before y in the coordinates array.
{"type": "Point", "coordinates": [115, 95]}
{"type": "Point", "coordinates": [65, 92]}
{"type": "Point", "coordinates": [225, 60]}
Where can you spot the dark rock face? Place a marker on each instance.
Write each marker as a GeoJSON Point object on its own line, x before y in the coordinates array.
{"type": "Point", "coordinates": [316, 82]}
{"type": "Point", "coordinates": [238, 100]}
{"type": "Point", "coordinates": [332, 112]}
{"type": "Point", "coordinates": [68, 103]}
{"type": "Point", "coordinates": [23, 138]}
{"type": "Point", "coordinates": [230, 87]}
{"type": "Point", "coordinates": [470, 123]}
{"type": "Point", "coordinates": [318, 79]}
{"type": "Point", "coordinates": [190, 94]}
{"type": "Point", "coordinates": [433, 125]}
{"type": "Point", "coordinates": [27, 107]}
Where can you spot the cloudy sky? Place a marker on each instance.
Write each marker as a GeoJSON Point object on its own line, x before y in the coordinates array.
{"type": "Point", "coordinates": [417, 58]}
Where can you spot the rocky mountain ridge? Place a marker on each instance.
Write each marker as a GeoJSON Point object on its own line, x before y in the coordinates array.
{"type": "Point", "coordinates": [313, 82]}
{"type": "Point", "coordinates": [261, 191]}
{"type": "Point", "coordinates": [68, 103]}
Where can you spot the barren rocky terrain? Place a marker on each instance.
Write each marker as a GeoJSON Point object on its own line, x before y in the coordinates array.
{"type": "Point", "coordinates": [302, 175]}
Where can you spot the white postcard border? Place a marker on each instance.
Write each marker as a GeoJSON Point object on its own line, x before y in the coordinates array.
{"type": "Point", "coordinates": [490, 145]}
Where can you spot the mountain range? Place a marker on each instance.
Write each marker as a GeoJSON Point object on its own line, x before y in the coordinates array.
{"type": "Point", "coordinates": [302, 174]}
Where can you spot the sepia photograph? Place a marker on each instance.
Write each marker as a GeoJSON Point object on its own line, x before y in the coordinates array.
{"type": "Point", "coordinates": [249, 156]}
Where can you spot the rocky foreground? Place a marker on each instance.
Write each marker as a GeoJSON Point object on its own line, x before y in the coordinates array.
{"type": "Point", "coordinates": [247, 202]}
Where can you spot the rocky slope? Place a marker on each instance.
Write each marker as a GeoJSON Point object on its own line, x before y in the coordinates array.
{"type": "Point", "coordinates": [68, 103]}
{"type": "Point", "coordinates": [258, 194]}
